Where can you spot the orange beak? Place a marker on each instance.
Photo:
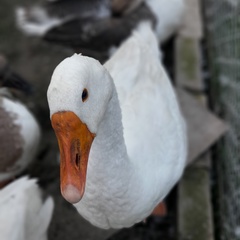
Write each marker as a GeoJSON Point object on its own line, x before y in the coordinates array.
{"type": "Point", "coordinates": [74, 141]}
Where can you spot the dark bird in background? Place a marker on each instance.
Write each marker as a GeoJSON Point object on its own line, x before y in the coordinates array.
{"type": "Point", "coordinates": [90, 27]}
{"type": "Point", "coordinates": [10, 79]}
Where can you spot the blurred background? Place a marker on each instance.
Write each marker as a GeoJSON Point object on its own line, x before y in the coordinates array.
{"type": "Point", "coordinates": [202, 56]}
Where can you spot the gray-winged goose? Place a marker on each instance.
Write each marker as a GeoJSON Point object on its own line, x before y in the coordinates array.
{"type": "Point", "coordinates": [19, 130]}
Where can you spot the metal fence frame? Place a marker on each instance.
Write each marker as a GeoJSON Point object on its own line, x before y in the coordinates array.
{"type": "Point", "coordinates": [222, 21]}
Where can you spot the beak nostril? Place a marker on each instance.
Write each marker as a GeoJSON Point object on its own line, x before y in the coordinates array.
{"type": "Point", "coordinates": [77, 160]}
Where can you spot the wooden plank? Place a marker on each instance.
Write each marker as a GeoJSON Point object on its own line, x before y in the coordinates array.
{"type": "Point", "coordinates": [192, 22]}
{"type": "Point", "coordinates": [187, 52]}
{"type": "Point", "coordinates": [188, 72]}
{"type": "Point", "coordinates": [194, 205]}
{"type": "Point", "coordinates": [194, 197]}
{"type": "Point", "coordinates": [203, 127]}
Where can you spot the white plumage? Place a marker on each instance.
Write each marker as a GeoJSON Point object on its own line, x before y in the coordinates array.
{"type": "Point", "coordinates": [169, 14]}
{"type": "Point", "coordinates": [139, 151]}
{"type": "Point", "coordinates": [23, 215]}
{"type": "Point", "coordinates": [20, 136]}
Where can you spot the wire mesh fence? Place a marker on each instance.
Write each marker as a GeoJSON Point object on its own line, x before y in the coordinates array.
{"type": "Point", "coordinates": [223, 27]}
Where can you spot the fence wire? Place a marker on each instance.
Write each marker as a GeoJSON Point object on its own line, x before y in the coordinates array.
{"type": "Point", "coordinates": [222, 20]}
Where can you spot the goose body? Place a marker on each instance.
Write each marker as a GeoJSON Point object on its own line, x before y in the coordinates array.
{"type": "Point", "coordinates": [20, 137]}
{"type": "Point", "coordinates": [169, 14]}
{"type": "Point", "coordinates": [95, 28]}
{"type": "Point", "coordinates": [19, 130]}
{"type": "Point", "coordinates": [121, 134]}
{"type": "Point", "coordinates": [23, 215]}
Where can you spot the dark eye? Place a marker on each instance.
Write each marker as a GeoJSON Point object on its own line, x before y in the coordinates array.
{"type": "Point", "coordinates": [84, 94]}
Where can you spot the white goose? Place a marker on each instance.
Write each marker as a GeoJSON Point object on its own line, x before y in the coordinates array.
{"type": "Point", "coordinates": [23, 215]}
{"type": "Point", "coordinates": [169, 14]}
{"type": "Point", "coordinates": [19, 130]}
{"type": "Point", "coordinates": [121, 135]}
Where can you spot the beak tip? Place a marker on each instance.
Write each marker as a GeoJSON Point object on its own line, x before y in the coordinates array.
{"type": "Point", "coordinates": [71, 194]}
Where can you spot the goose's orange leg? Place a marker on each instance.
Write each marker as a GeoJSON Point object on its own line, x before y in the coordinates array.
{"type": "Point", "coordinates": [160, 210]}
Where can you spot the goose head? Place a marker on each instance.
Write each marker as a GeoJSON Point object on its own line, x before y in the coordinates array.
{"type": "Point", "coordinates": [78, 96]}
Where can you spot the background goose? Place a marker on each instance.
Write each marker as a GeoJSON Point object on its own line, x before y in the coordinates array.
{"type": "Point", "coordinates": [19, 130]}
{"type": "Point", "coordinates": [121, 135]}
{"type": "Point", "coordinates": [95, 34]}
{"type": "Point", "coordinates": [10, 79]}
{"type": "Point", "coordinates": [169, 14]}
{"type": "Point", "coordinates": [23, 215]}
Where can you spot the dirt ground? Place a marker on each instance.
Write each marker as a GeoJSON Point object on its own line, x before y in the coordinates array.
{"type": "Point", "coordinates": [35, 60]}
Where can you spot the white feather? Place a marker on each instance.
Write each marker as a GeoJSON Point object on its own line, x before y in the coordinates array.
{"type": "Point", "coordinates": [29, 131]}
{"type": "Point", "coordinates": [42, 22]}
{"type": "Point", "coordinates": [23, 216]}
{"type": "Point", "coordinates": [169, 14]}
